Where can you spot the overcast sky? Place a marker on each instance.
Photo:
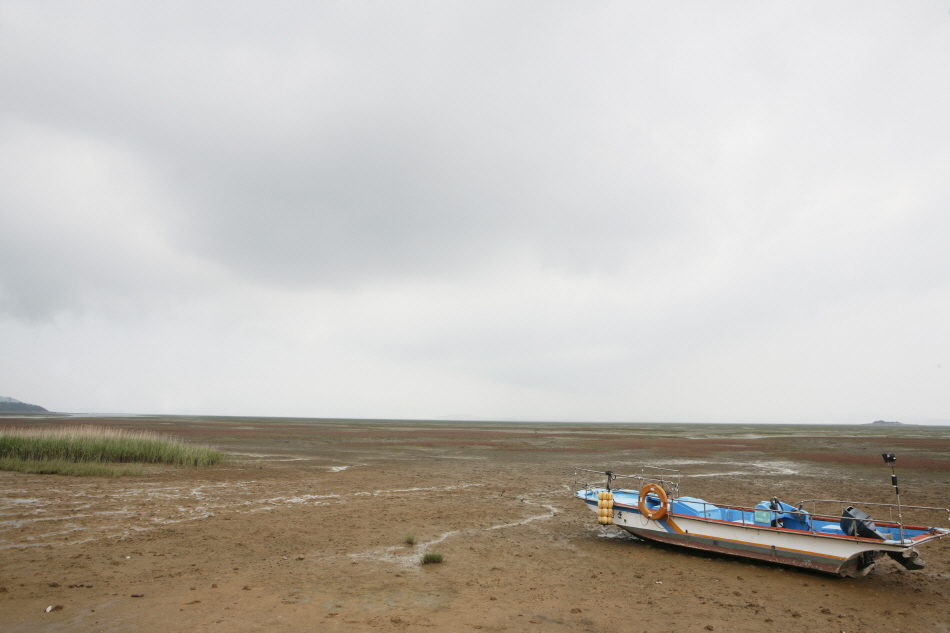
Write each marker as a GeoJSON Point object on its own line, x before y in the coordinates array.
{"type": "Point", "coordinates": [708, 211]}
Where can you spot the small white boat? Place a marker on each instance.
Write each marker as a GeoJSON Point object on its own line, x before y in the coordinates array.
{"type": "Point", "coordinates": [847, 543]}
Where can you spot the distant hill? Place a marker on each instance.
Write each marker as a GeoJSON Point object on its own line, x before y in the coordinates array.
{"type": "Point", "coordinates": [10, 405]}
{"type": "Point", "coordinates": [884, 422]}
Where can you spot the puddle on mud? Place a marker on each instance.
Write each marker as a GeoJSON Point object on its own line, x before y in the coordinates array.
{"type": "Point", "coordinates": [457, 457]}
{"type": "Point", "coordinates": [272, 458]}
{"type": "Point", "coordinates": [619, 534]}
{"type": "Point", "coordinates": [758, 468]}
{"type": "Point", "coordinates": [400, 554]}
{"type": "Point", "coordinates": [552, 510]}
{"type": "Point", "coordinates": [20, 501]}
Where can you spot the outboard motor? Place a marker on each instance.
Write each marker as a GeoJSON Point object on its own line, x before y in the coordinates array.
{"type": "Point", "coordinates": [853, 519]}
{"type": "Point", "coordinates": [908, 559]}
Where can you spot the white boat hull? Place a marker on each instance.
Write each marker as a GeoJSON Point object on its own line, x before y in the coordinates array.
{"type": "Point", "coordinates": [844, 555]}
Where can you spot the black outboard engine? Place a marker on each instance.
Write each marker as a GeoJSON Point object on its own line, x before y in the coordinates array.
{"type": "Point", "coordinates": [909, 559]}
{"type": "Point", "coordinates": [853, 520]}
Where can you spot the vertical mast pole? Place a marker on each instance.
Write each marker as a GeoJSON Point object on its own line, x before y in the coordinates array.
{"type": "Point", "coordinates": [890, 458]}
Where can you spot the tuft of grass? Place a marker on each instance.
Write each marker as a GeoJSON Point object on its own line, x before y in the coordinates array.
{"type": "Point", "coordinates": [410, 540]}
{"type": "Point", "coordinates": [97, 445]}
{"type": "Point", "coordinates": [76, 469]}
{"type": "Point", "coordinates": [431, 558]}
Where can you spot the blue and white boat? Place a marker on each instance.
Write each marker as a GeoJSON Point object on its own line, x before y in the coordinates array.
{"type": "Point", "coordinates": [827, 535]}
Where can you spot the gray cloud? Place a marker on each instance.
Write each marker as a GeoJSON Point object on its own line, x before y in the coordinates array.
{"type": "Point", "coordinates": [606, 186]}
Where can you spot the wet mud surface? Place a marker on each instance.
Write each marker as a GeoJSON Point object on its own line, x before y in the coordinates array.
{"type": "Point", "coordinates": [304, 529]}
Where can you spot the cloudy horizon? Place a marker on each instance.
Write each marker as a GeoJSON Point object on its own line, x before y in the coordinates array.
{"type": "Point", "coordinates": [729, 212]}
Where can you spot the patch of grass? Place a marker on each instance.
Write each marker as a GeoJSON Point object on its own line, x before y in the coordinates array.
{"type": "Point", "coordinates": [431, 558]}
{"type": "Point", "coordinates": [77, 469]}
{"type": "Point", "coordinates": [99, 445]}
{"type": "Point", "coordinates": [410, 540]}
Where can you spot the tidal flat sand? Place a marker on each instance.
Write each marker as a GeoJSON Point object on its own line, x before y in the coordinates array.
{"type": "Point", "coordinates": [304, 528]}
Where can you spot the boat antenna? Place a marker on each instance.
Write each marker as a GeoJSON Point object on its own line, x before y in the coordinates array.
{"type": "Point", "coordinates": [891, 458]}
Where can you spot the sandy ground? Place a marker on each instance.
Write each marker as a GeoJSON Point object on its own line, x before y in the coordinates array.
{"type": "Point", "coordinates": [304, 530]}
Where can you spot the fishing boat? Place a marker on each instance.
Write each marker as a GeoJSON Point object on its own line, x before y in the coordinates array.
{"type": "Point", "coordinates": [832, 536]}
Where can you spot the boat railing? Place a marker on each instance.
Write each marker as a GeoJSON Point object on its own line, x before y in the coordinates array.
{"type": "Point", "coordinates": [808, 519]}
{"type": "Point", "coordinates": [916, 515]}
{"type": "Point", "coordinates": [668, 478]}
{"type": "Point", "coordinates": [583, 477]}
{"type": "Point", "coordinates": [655, 474]}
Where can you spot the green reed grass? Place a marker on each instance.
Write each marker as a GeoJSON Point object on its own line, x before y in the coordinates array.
{"type": "Point", "coordinates": [431, 558]}
{"type": "Point", "coordinates": [410, 540]}
{"type": "Point", "coordinates": [77, 469]}
{"type": "Point", "coordinates": [97, 445]}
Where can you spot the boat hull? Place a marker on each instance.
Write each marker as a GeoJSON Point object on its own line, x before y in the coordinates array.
{"type": "Point", "coordinates": [857, 565]}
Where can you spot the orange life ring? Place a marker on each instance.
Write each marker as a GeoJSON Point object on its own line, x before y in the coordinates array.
{"type": "Point", "coordinates": [660, 512]}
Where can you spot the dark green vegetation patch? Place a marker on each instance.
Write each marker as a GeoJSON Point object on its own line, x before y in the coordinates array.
{"type": "Point", "coordinates": [60, 449]}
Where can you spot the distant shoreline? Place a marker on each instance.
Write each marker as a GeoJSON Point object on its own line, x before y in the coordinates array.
{"type": "Point", "coordinates": [43, 413]}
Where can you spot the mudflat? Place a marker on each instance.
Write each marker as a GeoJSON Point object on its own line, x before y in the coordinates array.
{"type": "Point", "coordinates": [304, 528]}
